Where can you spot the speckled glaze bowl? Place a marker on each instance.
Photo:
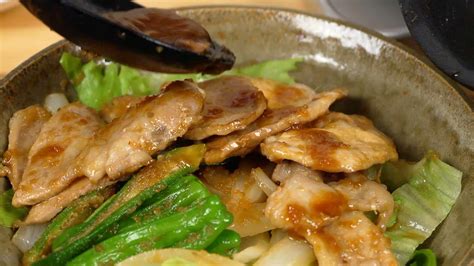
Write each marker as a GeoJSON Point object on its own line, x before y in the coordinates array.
{"type": "Point", "coordinates": [404, 95]}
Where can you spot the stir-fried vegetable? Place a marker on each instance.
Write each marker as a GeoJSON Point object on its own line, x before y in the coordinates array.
{"type": "Point", "coordinates": [9, 214]}
{"type": "Point", "coordinates": [166, 232]}
{"type": "Point", "coordinates": [97, 84]}
{"type": "Point", "coordinates": [301, 254]}
{"type": "Point", "coordinates": [423, 203]}
{"type": "Point", "coordinates": [154, 184]}
{"type": "Point", "coordinates": [169, 167]}
{"type": "Point", "coordinates": [75, 214]}
{"type": "Point", "coordinates": [54, 101]}
{"type": "Point", "coordinates": [27, 235]}
{"type": "Point", "coordinates": [179, 257]}
{"type": "Point", "coordinates": [252, 248]}
{"type": "Point", "coordinates": [226, 244]}
{"type": "Point", "coordinates": [278, 70]}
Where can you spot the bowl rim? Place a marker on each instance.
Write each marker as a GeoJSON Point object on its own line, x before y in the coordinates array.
{"type": "Point", "coordinates": [454, 88]}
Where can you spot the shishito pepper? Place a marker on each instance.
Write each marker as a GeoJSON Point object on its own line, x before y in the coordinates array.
{"type": "Point", "coordinates": [176, 198]}
{"type": "Point", "coordinates": [170, 231]}
{"type": "Point", "coordinates": [153, 179]}
{"type": "Point", "coordinates": [226, 244]}
{"type": "Point", "coordinates": [76, 213]}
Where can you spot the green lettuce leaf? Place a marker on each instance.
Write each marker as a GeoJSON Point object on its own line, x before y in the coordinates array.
{"type": "Point", "coordinates": [395, 174]}
{"type": "Point", "coordinates": [422, 203]}
{"type": "Point", "coordinates": [9, 214]}
{"type": "Point", "coordinates": [278, 70]}
{"type": "Point", "coordinates": [98, 83]}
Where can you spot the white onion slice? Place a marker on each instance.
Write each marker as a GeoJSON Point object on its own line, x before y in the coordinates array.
{"type": "Point", "coordinates": [26, 236]}
{"type": "Point", "coordinates": [54, 101]}
{"type": "Point", "coordinates": [252, 247]}
{"type": "Point", "coordinates": [287, 252]}
{"type": "Point", "coordinates": [277, 235]}
{"type": "Point", "coordinates": [263, 181]}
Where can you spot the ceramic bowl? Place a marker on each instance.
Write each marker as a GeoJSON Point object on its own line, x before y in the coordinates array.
{"type": "Point", "coordinates": [405, 96]}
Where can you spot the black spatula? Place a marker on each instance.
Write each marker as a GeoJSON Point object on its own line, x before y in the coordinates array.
{"type": "Point", "coordinates": [147, 38]}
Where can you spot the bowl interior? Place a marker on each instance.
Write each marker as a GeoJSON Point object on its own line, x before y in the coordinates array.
{"type": "Point", "coordinates": [405, 97]}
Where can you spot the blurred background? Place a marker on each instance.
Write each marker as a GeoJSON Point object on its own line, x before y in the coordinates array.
{"type": "Point", "coordinates": [22, 35]}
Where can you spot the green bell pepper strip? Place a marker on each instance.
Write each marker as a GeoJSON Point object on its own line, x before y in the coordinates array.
{"type": "Point", "coordinates": [74, 214]}
{"type": "Point", "coordinates": [226, 244]}
{"type": "Point", "coordinates": [76, 229]}
{"type": "Point", "coordinates": [153, 179]}
{"type": "Point", "coordinates": [176, 201]}
{"type": "Point", "coordinates": [163, 233]}
{"type": "Point", "coordinates": [208, 234]}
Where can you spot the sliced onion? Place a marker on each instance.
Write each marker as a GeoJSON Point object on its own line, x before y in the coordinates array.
{"type": "Point", "coordinates": [287, 252]}
{"type": "Point", "coordinates": [26, 236]}
{"type": "Point", "coordinates": [54, 101]}
{"type": "Point", "coordinates": [252, 247]}
{"type": "Point", "coordinates": [263, 181]}
{"type": "Point", "coordinates": [9, 255]}
{"type": "Point", "coordinates": [277, 235]}
{"type": "Point", "coordinates": [247, 185]}
{"type": "Point", "coordinates": [249, 219]}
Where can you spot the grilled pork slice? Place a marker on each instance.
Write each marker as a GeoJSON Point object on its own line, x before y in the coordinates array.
{"type": "Point", "coordinates": [339, 234]}
{"type": "Point", "coordinates": [270, 123]}
{"type": "Point", "coordinates": [286, 169]}
{"type": "Point", "coordinates": [60, 141]}
{"type": "Point", "coordinates": [231, 104]}
{"type": "Point", "coordinates": [281, 95]}
{"type": "Point", "coordinates": [127, 143]}
{"type": "Point", "coordinates": [366, 195]}
{"type": "Point", "coordinates": [45, 211]}
{"type": "Point", "coordinates": [25, 126]}
{"type": "Point", "coordinates": [118, 107]}
{"type": "Point", "coordinates": [337, 143]}
{"type": "Point", "coordinates": [352, 239]}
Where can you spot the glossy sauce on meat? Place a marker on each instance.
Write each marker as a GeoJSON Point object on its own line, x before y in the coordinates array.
{"type": "Point", "coordinates": [119, 106]}
{"type": "Point", "coordinates": [281, 95]}
{"type": "Point", "coordinates": [336, 143]}
{"type": "Point", "coordinates": [25, 126]}
{"type": "Point", "coordinates": [324, 217]}
{"type": "Point", "coordinates": [231, 104]}
{"type": "Point", "coordinates": [270, 123]}
{"type": "Point", "coordinates": [60, 141]}
{"type": "Point", "coordinates": [127, 143]}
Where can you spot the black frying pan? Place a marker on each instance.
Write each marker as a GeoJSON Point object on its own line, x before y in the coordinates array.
{"type": "Point", "coordinates": [445, 31]}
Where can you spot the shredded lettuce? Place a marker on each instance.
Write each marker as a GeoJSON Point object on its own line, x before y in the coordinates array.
{"type": "Point", "coordinates": [423, 202]}
{"type": "Point", "coordinates": [98, 83]}
{"type": "Point", "coordinates": [9, 214]}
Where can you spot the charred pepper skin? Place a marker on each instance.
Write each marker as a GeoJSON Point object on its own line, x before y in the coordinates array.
{"type": "Point", "coordinates": [75, 214]}
{"type": "Point", "coordinates": [155, 178]}
{"type": "Point", "coordinates": [190, 228]}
